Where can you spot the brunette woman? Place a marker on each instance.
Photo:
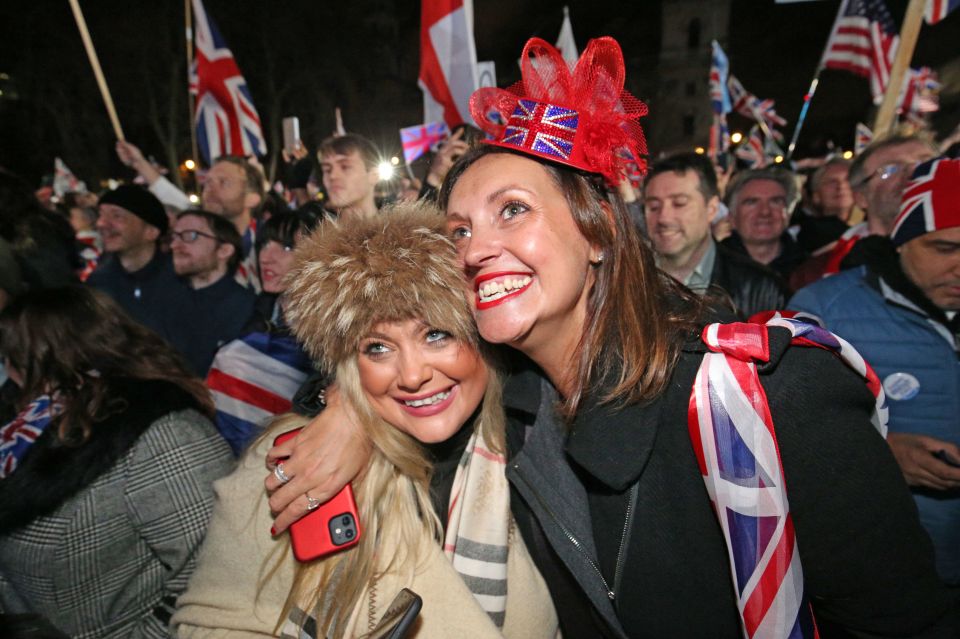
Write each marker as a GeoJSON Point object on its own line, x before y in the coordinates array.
{"type": "Point", "coordinates": [106, 474]}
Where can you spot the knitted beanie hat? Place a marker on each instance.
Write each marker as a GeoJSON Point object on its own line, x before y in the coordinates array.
{"type": "Point", "coordinates": [140, 202]}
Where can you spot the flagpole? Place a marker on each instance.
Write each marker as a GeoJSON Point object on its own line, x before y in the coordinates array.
{"type": "Point", "coordinates": [191, 101]}
{"type": "Point", "coordinates": [908, 41]}
{"type": "Point", "coordinates": [97, 71]}
{"type": "Point", "coordinates": [813, 85]}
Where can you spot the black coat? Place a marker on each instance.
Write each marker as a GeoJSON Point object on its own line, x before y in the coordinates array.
{"type": "Point", "coordinates": [868, 565]}
{"type": "Point", "coordinates": [751, 286]}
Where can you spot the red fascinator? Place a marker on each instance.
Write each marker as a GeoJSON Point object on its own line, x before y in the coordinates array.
{"type": "Point", "coordinates": [584, 118]}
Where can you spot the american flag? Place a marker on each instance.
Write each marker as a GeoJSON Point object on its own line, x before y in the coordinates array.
{"type": "Point", "coordinates": [750, 106]}
{"type": "Point", "coordinates": [930, 199]}
{"type": "Point", "coordinates": [864, 42]}
{"type": "Point", "coordinates": [419, 139]}
{"type": "Point", "coordinates": [937, 10]}
{"type": "Point", "coordinates": [227, 122]}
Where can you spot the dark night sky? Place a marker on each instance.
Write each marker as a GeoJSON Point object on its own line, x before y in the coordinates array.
{"type": "Point", "coordinates": [303, 57]}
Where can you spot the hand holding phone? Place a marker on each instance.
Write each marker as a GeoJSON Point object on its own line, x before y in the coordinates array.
{"type": "Point", "coordinates": [291, 135]}
{"type": "Point", "coordinates": [333, 526]}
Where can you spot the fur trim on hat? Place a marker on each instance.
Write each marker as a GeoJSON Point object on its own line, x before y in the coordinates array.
{"type": "Point", "coordinates": [352, 274]}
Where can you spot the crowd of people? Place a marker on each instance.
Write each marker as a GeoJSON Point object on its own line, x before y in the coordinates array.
{"type": "Point", "coordinates": [725, 403]}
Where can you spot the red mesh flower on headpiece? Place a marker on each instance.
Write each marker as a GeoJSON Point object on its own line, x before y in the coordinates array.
{"type": "Point", "coordinates": [584, 119]}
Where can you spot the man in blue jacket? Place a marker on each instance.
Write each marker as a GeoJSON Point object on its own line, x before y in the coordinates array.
{"type": "Point", "coordinates": [900, 311]}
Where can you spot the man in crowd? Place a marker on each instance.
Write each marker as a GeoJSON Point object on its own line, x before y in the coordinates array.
{"type": "Point", "coordinates": [760, 201]}
{"type": "Point", "coordinates": [134, 272]}
{"type": "Point", "coordinates": [348, 164]}
{"type": "Point", "coordinates": [206, 251]}
{"type": "Point", "coordinates": [832, 205]}
{"type": "Point", "coordinates": [233, 189]}
{"type": "Point", "coordinates": [899, 310]}
{"type": "Point", "coordinates": [681, 201]}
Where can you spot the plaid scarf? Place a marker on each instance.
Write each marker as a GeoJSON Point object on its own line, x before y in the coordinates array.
{"type": "Point", "coordinates": [22, 431]}
{"type": "Point", "coordinates": [735, 442]}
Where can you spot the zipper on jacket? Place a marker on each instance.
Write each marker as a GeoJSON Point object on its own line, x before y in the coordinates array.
{"type": "Point", "coordinates": [624, 537]}
{"type": "Point", "coordinates": [569, 535]}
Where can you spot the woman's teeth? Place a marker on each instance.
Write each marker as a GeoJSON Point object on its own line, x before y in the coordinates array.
{"type": "Point", "coordinates": [495, 290]}
{"type": "Point", "coordinates": [428, 401]}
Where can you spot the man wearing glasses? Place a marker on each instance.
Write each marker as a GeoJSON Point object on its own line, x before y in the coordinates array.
{"type": "Point", "coordinates": [206, 250]}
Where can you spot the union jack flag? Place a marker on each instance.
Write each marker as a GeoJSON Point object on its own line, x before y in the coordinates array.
{"type": "Point", "coordinates": [752, 149]}
{"type": "Point", "coordinates": [920, 93]}
{"type": "Point", "coordinates": [735, 442]}
{"type": "Point", "coordinates": [929, 200]}
{"type": "Point", "coordinates": [864, 41]}
{"type": "Point", "coordinates": [17, 436]}
{"type": "Point", "coordinates": [749, 105]}
{"type": "Point", "coordinates": [937, 10]}
{"type": "Point", "coordinates": [252, 379]}
{"type": "Point", "coordinates": [419, 139]}
{"type": "Point", "coordinates": [719, 72]}
{"type": "Point", "coordinates": [227, 122]}
{"type": "Point", "coordinates": [545, 129]}
{"type": "Point", "coordinates": [862, 138]}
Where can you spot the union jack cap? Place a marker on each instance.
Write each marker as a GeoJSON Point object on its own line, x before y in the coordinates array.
{"type": "Point", "coordinates": [930, 202]}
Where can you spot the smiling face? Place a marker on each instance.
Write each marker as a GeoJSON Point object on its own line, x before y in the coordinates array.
{"type": "Point", "coordinates": [276, 260]}
{"type": "Point", "coordinates": [420, 379]}
{"type": "Point", "coordinates": [678, 215]}
{"type": "Point", "coordinates": [526, 261]}
{"type": "Point", "coordinates": [760, 211]}
{"type": "Point", "coordinates": [122, 231]}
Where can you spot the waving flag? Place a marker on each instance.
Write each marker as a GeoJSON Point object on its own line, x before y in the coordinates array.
{"type": "Point", "coordinates": [719, 102]}
{"type": "Point", "coordinates": [920, 92]}
{"type": "Point", "coordinates": [227, 122]}
{"type": "Point", "coordinates": [252, 379]}
{"type": "Point", "coordinates": [419, 139]}
{"type": "Point", "coordinates": [448, 60]}
{"type": "Point", "coordinates": [752, 149]}
{"type": "Point", "coordinates": [863, 137]}
{"type": "Point", "coordinates": [749, 105]}
{"type": "Point", "coordinates": [937, 10]}
{"type": "Point", "coordinates": [64, 181]}
{"type": "Point", "coordinates": [565, 42]}
{"type": "Point", "coordinates": [864, 42]}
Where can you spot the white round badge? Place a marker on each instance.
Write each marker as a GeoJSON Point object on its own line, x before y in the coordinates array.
{"type": "Point", "coordinates": [901, 386]}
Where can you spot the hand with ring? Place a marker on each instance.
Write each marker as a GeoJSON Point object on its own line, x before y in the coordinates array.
{"type": "Point", "coordinates": [281, 476]}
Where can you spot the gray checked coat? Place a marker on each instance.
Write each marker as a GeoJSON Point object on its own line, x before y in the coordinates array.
{"type": "Point", "coordinates": [100, 539]}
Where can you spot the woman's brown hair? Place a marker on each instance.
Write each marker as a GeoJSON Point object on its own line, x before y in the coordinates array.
{"type": "Point", "coordinates": [637, 316]}
{"type": "Point", "coordinates": [78, 341]}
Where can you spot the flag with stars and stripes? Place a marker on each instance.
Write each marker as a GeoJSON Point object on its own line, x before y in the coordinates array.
{"type": "Point", "coordinates": [864, 41]}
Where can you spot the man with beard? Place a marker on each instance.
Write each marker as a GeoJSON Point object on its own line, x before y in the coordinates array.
{"type": "Point", "coordinates": [899, 310]}
{"type": "Point", "coordinates": [206, 252]}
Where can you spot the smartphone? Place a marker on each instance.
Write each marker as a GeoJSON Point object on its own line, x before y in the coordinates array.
{"type": "Point", "coordinates": [332, 527]}
{"type": "Point", "coordinates": [946, 459]}
{"type": "Point", "coordinates": [291, 134]}
{"type": "Point", "coordinates": [399, 617]}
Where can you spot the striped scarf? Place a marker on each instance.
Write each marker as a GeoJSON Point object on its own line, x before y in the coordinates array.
{"type": "Point", "coordinates": [478, 526]}
{"type": "Point", "coordinates": [733, 436]}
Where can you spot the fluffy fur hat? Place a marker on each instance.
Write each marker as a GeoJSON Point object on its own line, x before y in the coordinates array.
{"type": "Point", "coordinates": [352, 274]}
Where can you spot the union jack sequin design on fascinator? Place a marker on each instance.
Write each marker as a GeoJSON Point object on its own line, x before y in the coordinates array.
{"type": "Point", "coordinates": [582, 118]}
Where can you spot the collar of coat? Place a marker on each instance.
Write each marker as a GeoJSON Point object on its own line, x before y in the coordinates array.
{"type": "Point", "coordinates": [52, 473]}
{"type": "Point", "coordinates": [613, 443]}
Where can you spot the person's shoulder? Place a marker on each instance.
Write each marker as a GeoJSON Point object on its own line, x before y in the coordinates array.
{"type": "Point", "coordinates": [832, 290]}
{"type": "Point", "coordinates": [741, 263]}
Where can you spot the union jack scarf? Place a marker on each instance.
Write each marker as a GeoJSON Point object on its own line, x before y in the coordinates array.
{"type": "Point", "coordinates": [478, 526]}
{"type": "Point", "coordinates": [735, 442]}
{"type": "Point", "coordinates": [19, 434]}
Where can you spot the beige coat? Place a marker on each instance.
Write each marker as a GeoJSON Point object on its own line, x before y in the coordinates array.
{"type": "Point", "coordinates": [239, 556]}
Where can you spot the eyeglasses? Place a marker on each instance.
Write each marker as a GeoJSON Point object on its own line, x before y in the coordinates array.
{"type": "Point", "coordinates": [189, 237]}
{"type": "Point", "coordinates": [887, 171]}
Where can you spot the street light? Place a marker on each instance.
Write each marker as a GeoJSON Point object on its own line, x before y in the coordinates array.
{"type": "Point", "coordinates": [847, 155]}
{"type": "Point", "coordinates": [385, 171]}
{"type": "Point", "coordinates": [778, 159]}
{"type": "Point", "coordinates": [395, 161]}
{"type": "Point", "coordinates": [189, 165]}
{"type": "Point", "coordinates": [735, 137]}
{"type": "Point", "coordinates": [700, 150]}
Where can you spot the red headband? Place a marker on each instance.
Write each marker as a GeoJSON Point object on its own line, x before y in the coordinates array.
{"type": "Point", "coordinates": [584, 119]}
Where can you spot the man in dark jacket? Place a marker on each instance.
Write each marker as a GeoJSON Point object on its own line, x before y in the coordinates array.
{"type": "Point", "coordinates": [681, 200]}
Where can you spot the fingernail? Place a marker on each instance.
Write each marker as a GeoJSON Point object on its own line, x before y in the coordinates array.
{"type": "Point", "coordinates": [273, 531]}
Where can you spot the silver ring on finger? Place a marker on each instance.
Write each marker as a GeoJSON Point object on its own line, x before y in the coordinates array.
{"type": "Point", "coordinates": [281, 476]}
{"type": "Point", "coordinates": [312, 502]}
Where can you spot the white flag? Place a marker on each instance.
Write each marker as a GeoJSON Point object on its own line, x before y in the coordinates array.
{"type": "Point", "coordinates": [565, 42]}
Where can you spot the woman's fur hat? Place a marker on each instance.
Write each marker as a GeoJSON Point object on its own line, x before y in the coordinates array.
{"type": "Point", "coordinates": [352, 274]}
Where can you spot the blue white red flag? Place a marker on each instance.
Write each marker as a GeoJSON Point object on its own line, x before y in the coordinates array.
{"type": "Point", "coordinates": [750, 106]}
{"type": "Point", "coordinates": [64, 181]}
{"type": "Point", "coordinates": [752, 149]}
{"type": "Point", "coordinates": [864, 41]}
{"type": "Point", "coordinates": [937, 10]}
{"type": "Point", "coordinates": [419, 139]}
{"type": "Point", "coordinates": [227, 122]}
{"type": "Point", "coordinates": [719, 73]}
{"type": "Point", "coordinates": [863, 137]}
{"type": "Point", "coordinates": [930, 200]}
{"type": "Point", "coordinates": [252, 379]}
{"type": "Point", "coordinates": [920, 93]}
{"type": "Point", "coordinates": [18, 435]}
{"type": "Point", "coordinates": [448, 60]}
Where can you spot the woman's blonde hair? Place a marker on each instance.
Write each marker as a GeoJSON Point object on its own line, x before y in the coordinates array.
{"type": "Point", "coordinates": [349, 277]}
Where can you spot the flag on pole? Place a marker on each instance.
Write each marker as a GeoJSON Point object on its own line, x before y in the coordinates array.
{"type": "Point", "coordinates": [419, 139]}
{"type": "Point", "coordinates": [920, 93]}
{"type": "Point", "coordinates": [64, 181]}
{"type": "Point", "coordinates": [565, 42]}
{"type": "Point", "coordinates": [937, 10]}
{"type": "Point", "coordinates": [752, 149]}
{"type": "Point", "coordinates": [227, 122]}
{"type": "Point", "coordinates": [339, 130]}
{"type": "Point", "coordinates": [448, 60]}
{"type": "Point", "coordinates": [864, 41]}
{"type": "Point", "coordinates": [749, 105]}
{"type": "Point", "coordinates": [863, 137]}
{"type": "Point", "coordinates": [719, 102]}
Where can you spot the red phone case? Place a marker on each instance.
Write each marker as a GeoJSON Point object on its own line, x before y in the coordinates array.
{"type": "Point", "coordinates": [332, 527]}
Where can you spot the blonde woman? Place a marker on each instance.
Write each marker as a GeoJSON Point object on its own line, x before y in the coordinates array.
{"type": "Point", "coordinates": [380, 302]}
